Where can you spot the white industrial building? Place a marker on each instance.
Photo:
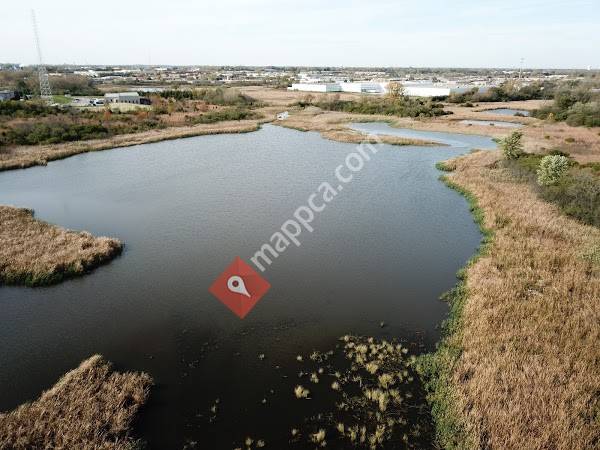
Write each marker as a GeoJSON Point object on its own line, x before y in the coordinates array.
{"type": "Point", "coordinates": [123, 97]}
{"type": "Point", "coordinates": [357, 87]}
{"type": "Point", "coordinates": [423, 89]}
{"type": "Point", "coordinates": [437, 89]}
{"type": "Point", "coordinates": [316, 87]}
{"type": "Point", "coordinates": [363, 87]}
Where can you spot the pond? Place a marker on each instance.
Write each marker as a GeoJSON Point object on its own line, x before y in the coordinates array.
{"type": "Point", "coordinates": [383, 250]}
{"type": "Point", "coordinates": [508, 112]}
{"type": "Point", "coordinates": [492, 123]}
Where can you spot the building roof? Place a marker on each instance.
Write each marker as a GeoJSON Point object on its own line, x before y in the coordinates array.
{"type": "Point", "coordinates": [122, 94]}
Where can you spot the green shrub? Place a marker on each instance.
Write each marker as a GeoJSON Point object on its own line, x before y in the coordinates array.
{"type": "Point", "coordinates": [27, 109]}
{"type": "Point", "coordinates": [508, 91]}
{"type": "Point", "coordinates": [512, 145]}
{"type": "Point", "coordinates": [54, 132]}
{"type": "Point", "coordinates": [576, 192]}
{"type": "Point", "coordinates": [217, 96]}
{"type": "Point", "coordinates": [551, 169]}
{"type": "Point", "coordinates": [222, 115]}
{"type": "Point", "coordinates": [577, 195]}
{"type": "Point", "coordinates": [402, 106]}
{"type": "Point", "coordinates": [576, 105]}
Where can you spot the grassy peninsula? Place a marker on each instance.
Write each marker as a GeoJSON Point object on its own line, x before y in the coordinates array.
{"type": "Point", "coordinates": [36, 253]}
{"type": "Point", "coordinates": [91, 406]}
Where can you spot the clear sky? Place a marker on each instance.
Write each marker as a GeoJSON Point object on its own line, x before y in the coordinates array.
{"type": "Point", "coordinates": [458, 33]}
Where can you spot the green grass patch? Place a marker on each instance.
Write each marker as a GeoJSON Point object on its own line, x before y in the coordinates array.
{"type": "Point", "coordinates": [61, 99]}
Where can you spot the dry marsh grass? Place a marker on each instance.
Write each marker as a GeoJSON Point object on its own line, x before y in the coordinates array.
{"type": "Point", "coordinates": [519, 366]}
{"type": "Point", "coordinates": [90, 407]}
{"type": "Point", "coordinates": [333, 126]}
{"type": "Point", "coordinates": [582, 143]}
{"type": "Point", "coordinates": [34, 253]}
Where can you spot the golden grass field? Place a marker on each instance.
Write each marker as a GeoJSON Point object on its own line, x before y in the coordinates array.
{"type": "Point", "coordinates": [527, 371]}
{"type": "Point", "coordinates": [90, 407]}
{"type": "Point", "coordinates": [36, 253]}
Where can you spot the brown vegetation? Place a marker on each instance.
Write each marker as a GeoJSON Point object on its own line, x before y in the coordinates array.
{"type": "Point", "coordinates": [333, 125]}
{"type": "Point", "coordinates": [90, 407]}
{"type": "Point", "coordinates": [356, 137]}
{"type": "Point", "coordinates": [283, 97]}
{"type": "Point", "coordinates": [33, 252]}
{"type": "Point", "coordinates": [520, 366]}
{"type": "Point", "coordinates": [583, 144]}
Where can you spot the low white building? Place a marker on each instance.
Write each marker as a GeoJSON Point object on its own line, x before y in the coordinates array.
{"type": "Point", "coordinates": [357, 87]}
{"type": "Point", "coordinates": [412, 89]}
{"type": "Point", "coordinates": [365, 87]}
{"type": "Point", "coordinates": [123, 97]}
{"type": "Point", "coordinates": [316, 87]}
{"type": "Point", "coordinates": [437, 89]}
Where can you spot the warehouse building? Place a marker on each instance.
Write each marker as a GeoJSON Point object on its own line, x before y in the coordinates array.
{"type": "Point", "coordinates": [426, 89]}
{"type": "Point", "coordinates": [316, 87]}
{"type": "Point", "coordinates": [123, 97]}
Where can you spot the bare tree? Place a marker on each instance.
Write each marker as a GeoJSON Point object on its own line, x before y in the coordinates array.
{"type": "Point", "coordinates": [395, 90]}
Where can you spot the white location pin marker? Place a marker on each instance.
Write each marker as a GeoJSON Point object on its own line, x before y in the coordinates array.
{"type": "Point", "coordinates": [236, 284]}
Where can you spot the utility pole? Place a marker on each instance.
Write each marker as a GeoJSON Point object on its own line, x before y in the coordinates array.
{"type": "Point", "coordinates": [45, 91]}
{"type": "Point", "coordinates": [521, 68]}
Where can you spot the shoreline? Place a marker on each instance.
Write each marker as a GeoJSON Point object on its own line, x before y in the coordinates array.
{"type": "Point", "coordinates": [479, 363]}
{"type": "Point", "coordinates": [29, 156]}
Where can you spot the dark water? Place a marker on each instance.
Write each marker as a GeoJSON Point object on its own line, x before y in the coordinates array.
{"type": "Point", "coordinates": [384, 249]}
{"type": "Point", "coordinates": [507, 111]}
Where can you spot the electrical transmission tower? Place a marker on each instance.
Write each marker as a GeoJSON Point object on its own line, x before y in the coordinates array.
{"type": "Point", "coordinates": [45, 91]}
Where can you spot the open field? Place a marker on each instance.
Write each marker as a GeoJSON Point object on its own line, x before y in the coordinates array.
{"type": "Point", "coordinates": [519, 365]}
{"type": "Point", "coordinates": [90, 407]}
{"type": "Point", "coordinates": [283, 97]}
{"type": "Point", "coordinates": [33, 252]}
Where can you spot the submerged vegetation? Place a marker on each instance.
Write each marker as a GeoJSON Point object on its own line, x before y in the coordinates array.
{"type": "Point", "coordinates": [373, 397]}
{"type": "Point", "coordinates": [36, 253]}
{"type": "Point", "coordinates": [517, 367]}
{"type": "Point", "coordinates": [89, 407]}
